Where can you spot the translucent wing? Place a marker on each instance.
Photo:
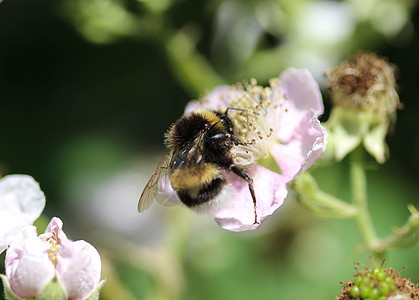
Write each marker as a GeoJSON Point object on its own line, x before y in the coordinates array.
{"type": "Point", "coordinates": [151, 189]}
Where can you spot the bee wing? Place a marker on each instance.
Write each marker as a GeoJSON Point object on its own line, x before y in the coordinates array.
{"type": "Point", "coordinates": [195, 151]}
{"type": "Point", "coordinates": [152, 189]}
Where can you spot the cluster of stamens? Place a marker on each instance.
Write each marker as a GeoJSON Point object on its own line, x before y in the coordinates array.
{"type": "Point", "coordinates": [53, 250]}
{"type": "Point", "coordinates": [253, 118]}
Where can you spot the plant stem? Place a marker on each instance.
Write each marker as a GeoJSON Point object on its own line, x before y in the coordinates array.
{"type": "Point", "coordinates": [359, 199]}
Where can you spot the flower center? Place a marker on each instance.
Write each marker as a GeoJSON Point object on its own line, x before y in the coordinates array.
{"type": "Point", "coordinates": [55, 245]}
{"type": "Point", "coordinates": [255, 122]}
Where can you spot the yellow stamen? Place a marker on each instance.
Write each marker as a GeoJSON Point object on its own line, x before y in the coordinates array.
{"type": "Point", "coordinates": [53, 250]}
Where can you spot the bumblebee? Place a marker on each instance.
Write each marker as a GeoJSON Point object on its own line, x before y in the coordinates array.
{"type": "Point", "coordinates": [198, 160]}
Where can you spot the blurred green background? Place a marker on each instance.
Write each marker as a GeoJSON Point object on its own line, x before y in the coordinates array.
{"type": "Point", "coordinates": [88, 88]}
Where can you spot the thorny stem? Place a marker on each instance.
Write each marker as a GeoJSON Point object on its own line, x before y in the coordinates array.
{"type": "Point", "coordinates": [359, 199]}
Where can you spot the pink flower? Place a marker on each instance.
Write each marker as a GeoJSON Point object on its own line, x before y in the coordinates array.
{"type": "Point", "coordinates": [33, 261]}
{"type": "Point", "coordinates": [283, 138]}
{"type": "Point", "coordinates": [21, 203]}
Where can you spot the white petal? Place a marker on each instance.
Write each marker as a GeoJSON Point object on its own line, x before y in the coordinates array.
{"type": "Point", "coordinates": [21, 203]}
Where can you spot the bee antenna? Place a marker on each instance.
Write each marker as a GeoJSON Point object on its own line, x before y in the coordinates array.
{"type": "Point", "coordinates": [240, 109]}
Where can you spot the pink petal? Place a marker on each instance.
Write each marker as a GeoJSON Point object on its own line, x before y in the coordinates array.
{"type": "Point", "coordinates": [54, 230]}
{"type": "Point", "coordinates": [317, 135]}
{"type": "Point", "coordinates": [270, 193]}
{"type": "Point", "coordinates": [303, 97]}
{"type": "Point", "coordinates": [219, 97]}
{"type": "Point", "coordinates": [305, 147]}
{"type": "Point", "coordinates": [78, 268]}
{"type": "Point", "coordinates": [28, 267]}
{"type": "Point", "coordinates": [15, 249]}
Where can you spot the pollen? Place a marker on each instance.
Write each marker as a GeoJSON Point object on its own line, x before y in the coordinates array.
{"type": "Point", "coordinates": [274, 82]}
{"type": "Point", "coordinates": [255, 118]}
{"type": "Point", "coordinates": [53, 250]}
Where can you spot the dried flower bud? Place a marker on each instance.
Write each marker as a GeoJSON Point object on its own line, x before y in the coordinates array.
{"type": "Point", "coordinates": [365, 101]}
{"type": "Point", "coordinates": [365, 82]}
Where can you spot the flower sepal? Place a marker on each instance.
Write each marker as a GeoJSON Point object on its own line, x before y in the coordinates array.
{"type": "Point", "coordinates": [349, 128]}
{"type": "Point", "coordinates": [52, 290]}
{"type": "Point", "coordinates": [94, 295]}
{"type": "Point", "coordinates": [8, 293]}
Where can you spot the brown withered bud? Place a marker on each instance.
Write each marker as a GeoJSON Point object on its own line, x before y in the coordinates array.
{"type": "Point", "coordinates": [365, 100]}
{"type": "Point", "coordinates": [365, 82]}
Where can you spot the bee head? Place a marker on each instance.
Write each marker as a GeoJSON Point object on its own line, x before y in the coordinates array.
{"type": "Point", "coordinates": [227, 124]}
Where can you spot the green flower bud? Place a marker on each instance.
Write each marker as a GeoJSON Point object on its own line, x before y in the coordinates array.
{"type": "Point", "coordinates": [381, 275]}
{"type": "Point", "coordinates": [384, 288]}
{"type": "Point", "coordinates": [389, 281]}
{"type": "Point", "coordinates": [354, 292]}
{"type": "Point", "coordinates": [365, 291]}
{"type": "Point", "coordinates": [365, 101]}
{"type": "Point", "coordinates": [374, 293]}
{"type": "Point", "coordinates": [380, 284]}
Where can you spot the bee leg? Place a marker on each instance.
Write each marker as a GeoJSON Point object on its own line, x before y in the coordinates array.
{"type": "Point", "coordinates": [241, 173]}
{"type": "Point", "coordinates": [225, 136]}
{"type": "Point", "coordinates": [237, 141]}
{"type": "Point", "coordinates": [252, 192]}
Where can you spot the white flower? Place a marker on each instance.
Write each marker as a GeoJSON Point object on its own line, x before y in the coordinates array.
{"type": "Point", "coordinates": [34, 261]}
